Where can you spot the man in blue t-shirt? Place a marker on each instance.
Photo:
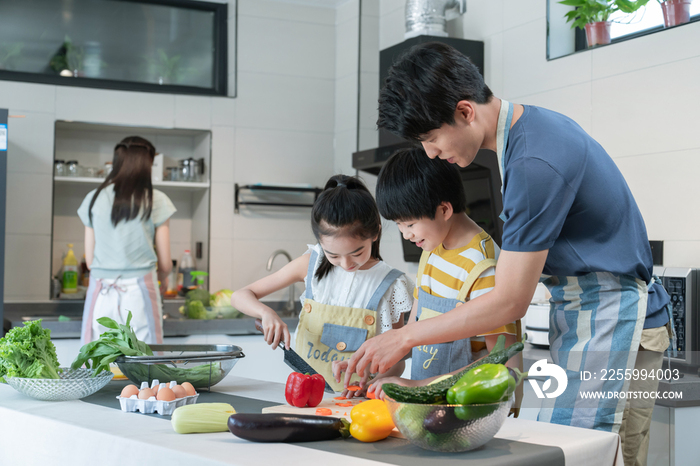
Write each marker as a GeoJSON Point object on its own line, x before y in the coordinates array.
{"type": "Point", "coordinates": [569, 218]}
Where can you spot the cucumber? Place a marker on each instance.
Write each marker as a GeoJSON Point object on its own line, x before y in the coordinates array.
{"type": "Point", "coordinates": [435, 393]}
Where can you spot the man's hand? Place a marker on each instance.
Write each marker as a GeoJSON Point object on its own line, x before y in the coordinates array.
{"type": "Point", "coordinates": [338, 367]}
{"type": "Point", "coordinates": [376, 386]}
{"type": "Point", "coordinates": [378, 354]}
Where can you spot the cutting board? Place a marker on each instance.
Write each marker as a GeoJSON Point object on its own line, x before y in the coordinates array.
{"type": "Point", "coordinates": [329, 403]}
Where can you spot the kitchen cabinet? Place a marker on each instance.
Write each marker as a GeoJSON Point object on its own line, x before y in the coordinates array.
{"type": "Point", "coordinates": [91, 145]}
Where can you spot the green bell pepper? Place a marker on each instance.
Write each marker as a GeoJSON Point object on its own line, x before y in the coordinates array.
{"type": "Point", "coordinates": [487, 383]}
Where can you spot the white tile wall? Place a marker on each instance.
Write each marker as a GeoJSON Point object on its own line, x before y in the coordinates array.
{"type": "Point", "coordinates": [625, 123]}
{"type": "Point", "coordinates": [493, 66]}
{"type": "Point", "coordinates": [284, 102]}
{"type": "Point", "coordinates": [519, 12]}
{"type": "Point", "coordinates": [483, 18]}
{"type": "Point", "coordinates": [345, 145]}
{"type": "Point", "coordinates": [282, 156]}
{"type": "Point", "coordinates": [193, 112]}
{"type": "Point", "coordinates": [223, 111]}
{"type": "Point", "coordinates": [26, 97]}
{"type": "Point", "coordinates": [282, 55]}
{"type": "Point", "coordinates": [346, 11]}
{"type": "Point", "coordinates": [392, 26]}
{"type": "Point", "coordinates": [221, 213]}
{"type": "Point", "coordinates": [288, 11]}
{"type": "Point", "coordinates": [220, 270]}
{"type": "Point", "coordinates": [573, 101]}
{"type": "Point", "coordinates": [346, 98]}
{"type": "Point", "coordinates": [526, 69]}
{"type": "Point", "coordinates": [223, 153]}
{"type": "Point", "coordinates": [117, 107]}
{"type": "Point", "coordinates": [30, 144]}
{"type": "Point", "coordinates": [346, 47]}
{"type": "Point", "coordinates": [675, 44]}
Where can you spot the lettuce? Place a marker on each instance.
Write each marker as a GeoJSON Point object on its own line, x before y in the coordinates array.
{"type": "Point", "coordinates": [29, 353]}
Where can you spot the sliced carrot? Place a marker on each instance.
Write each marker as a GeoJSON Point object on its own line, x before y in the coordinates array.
{"type": "Point", "coordinates": [340, 398]}
{"type": "Point", "coordinates": [345, 414]}
{"type": "Point", "coordinates": [344, 405]}
{"type": "Point", "coordinates": [337, 412]}
{"type": "Point", "coordinates": [371, 395]}
{"type": "Point", "coordinates": [353, 388]}
{"type": "Point", "coordinates": [324, 412]}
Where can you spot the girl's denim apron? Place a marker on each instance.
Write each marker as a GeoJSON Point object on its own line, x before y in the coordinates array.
{"type": "Point", "coordinates": [595, 325]}
{"type": "Point", "coordinates": [432, 360]}
{"type": "Point", "coordinates": [329, 333]}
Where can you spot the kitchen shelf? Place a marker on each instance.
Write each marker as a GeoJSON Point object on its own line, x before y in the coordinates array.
{"type": "Point", "coordinates": [254, 188]}
{"type": "Point", "coordinates": [182, 185]}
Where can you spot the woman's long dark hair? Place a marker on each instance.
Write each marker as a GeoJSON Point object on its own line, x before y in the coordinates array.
{"type": "Point", "coordinates": [347, 208]}
{"type": "Point", "coordinates": [131, 176]}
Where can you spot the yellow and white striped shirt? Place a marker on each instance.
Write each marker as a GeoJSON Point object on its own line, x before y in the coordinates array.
{"type": "Point", "coordinates": [448, 269]}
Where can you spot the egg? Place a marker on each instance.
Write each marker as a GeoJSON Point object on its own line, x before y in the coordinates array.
{"type": "Point", "coordinates": [157, 388]}
{"type": "Point", "coordinates": [189, 388]}
{"type": "Point", "coordinates": [145, 394]}
{"type": "Point", "coordinates": [165, 394]}
{"type": "Point", "coordinates": [129, 391]}
{"type": "Point", "coordinates": [179, 391]}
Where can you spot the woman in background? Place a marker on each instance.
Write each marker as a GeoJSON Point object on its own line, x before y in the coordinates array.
{"type": "Point", "coordinates": [124, 217]}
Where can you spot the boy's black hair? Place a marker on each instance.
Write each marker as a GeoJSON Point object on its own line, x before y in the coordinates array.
{"type": "Point", "coordinates": [423, 88]}
{"type": "Point", "coordinates": [411, 186]}
{"type": "Point", "coordinates": [345, 207]}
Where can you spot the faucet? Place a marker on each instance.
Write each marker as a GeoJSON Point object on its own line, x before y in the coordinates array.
{"type": "Point", "coordinates": [290, 303]}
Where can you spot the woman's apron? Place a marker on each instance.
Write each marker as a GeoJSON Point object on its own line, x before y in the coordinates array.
{"type": "Point", "coordinates": [114, 298]}
{"type": "Point", "coordinates": [595, 325]}
{"type": "Point", "coordinates": [433, 360]}
{"type": "Point", "coordinates": [320, 342]}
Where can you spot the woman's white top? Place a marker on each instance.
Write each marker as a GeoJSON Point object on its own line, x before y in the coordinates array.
{"type": "Point", "coordinates": [355, 289]}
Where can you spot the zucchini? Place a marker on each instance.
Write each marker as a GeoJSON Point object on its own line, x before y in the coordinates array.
{"type": "Point", "coordinates": [436, 392]}
{"type": "Point", "coordinates": [276, 427]}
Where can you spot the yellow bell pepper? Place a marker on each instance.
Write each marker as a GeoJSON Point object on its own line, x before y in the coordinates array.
{"type": "Point", "coordinates": [371, 421]}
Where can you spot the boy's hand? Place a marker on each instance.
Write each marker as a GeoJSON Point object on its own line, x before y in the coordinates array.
{"type": "Point", "coordinates": [338, 367]}
{"type": "Point", "coordinates": [274, 331]}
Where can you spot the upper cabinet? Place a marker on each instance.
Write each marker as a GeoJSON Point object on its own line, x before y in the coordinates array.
{"type": "Point", "coordinates": [84, 150]}
{"type": "Point", "coordinates": [172, 46]}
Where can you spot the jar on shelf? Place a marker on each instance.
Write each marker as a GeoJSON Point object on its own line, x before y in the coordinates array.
{"type": "Point", "coordinates": [185, 170]}
{"type": "Point", "coordinates": [172, 174]}
{"type": "Point", "coordinates": [72, 168]}
{"type": "Point", "coordinates": [59, 167]}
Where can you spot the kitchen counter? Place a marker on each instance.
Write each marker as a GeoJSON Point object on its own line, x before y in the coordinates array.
{"type": "Point", "coordinates": [64, 319]}
{"type": "Point", "coordinates": [33, 432]}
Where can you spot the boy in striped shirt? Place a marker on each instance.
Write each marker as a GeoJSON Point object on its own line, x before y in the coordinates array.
{"type": "Point", "coordinates": [426, 199]}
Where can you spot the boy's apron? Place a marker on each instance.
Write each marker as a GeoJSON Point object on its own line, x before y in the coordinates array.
{"type": "Point", "coordinates": [433, 360]}
{"type": "Point", "coordinates": [329, 333]}
{"type": "Point", "coordinates": [114, 298]}
{"type": "Point", "coordinates": [595, 325]}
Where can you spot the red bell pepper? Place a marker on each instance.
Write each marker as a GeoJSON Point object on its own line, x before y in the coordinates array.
{"type": "Point", "coordinates": [304, 390]}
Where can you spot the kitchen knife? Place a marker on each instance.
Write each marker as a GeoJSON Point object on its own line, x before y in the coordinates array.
{"type": "Point", "coordinates": [293, 360]}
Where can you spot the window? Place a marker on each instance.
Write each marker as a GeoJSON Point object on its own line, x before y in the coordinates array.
{"type": "Point", "coordinates": [174, 46]}
{"type": "Point", "coordinates": [648, 19]}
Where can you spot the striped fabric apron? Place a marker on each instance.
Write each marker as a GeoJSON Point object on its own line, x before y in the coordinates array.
{"type": "Point", "coordinates": [328, 333]}
{"type": "Point", "coordinates": [596, 323]}
{"type": "Point", "coordinates": [114, 298]}
{"type": "Point", "coordinates": [432, 360]}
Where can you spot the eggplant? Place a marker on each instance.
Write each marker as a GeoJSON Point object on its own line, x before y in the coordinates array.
{"type": "Point", "coordinates": [289, 428]}
{"type": "Point", "coordinates": [443, 420]}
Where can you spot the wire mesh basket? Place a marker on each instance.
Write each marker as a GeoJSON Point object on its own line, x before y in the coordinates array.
{"type": "Point", "coordinates": [73, 385]}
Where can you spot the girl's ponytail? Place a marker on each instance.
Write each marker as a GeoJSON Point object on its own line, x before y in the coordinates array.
{"type": "Point", "coordinates": [345, 207]}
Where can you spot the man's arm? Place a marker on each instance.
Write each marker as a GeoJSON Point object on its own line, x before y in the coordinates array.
{"type": "Point", "coordinates": [517, 275]}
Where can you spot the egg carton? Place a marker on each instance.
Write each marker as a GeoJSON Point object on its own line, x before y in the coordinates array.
{"type": "Point", "coordinates": [151, 405]}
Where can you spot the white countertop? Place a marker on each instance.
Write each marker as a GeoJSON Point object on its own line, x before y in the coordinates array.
{"type": "Point", "coordinates": [42, 433]}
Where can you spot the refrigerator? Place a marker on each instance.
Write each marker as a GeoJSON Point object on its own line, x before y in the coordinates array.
{"type": "Point", "coordinates": [3, 197]}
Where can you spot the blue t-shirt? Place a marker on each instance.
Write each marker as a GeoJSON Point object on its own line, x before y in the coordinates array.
{"type": "Point", "coordinates": [127, 249]}
{"type": "Point", "coordinates": [564, 193]}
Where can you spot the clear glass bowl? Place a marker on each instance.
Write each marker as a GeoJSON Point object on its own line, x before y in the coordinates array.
{"type": "Point", "coordinates": [449, 428]}
{"type": "Point", "coordinates": [201, 365]}
{"type": "Point", "coordinates": [73, 385]}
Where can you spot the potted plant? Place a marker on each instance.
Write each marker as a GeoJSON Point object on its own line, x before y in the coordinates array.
{"type": "Point", "coordinates": [593, 16]}
{"type": "Point", "coordinates": [675, 11]}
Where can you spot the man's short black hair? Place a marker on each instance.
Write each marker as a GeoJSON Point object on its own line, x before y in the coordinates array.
{"type": "Point", "coordinates": [423, 88]}
{"type": "Point", "coordinates": [411, 186]}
